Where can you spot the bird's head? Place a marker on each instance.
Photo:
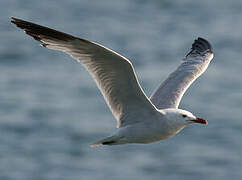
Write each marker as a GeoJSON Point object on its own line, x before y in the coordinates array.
{"type": "Point", "coordinates": [182, 117]}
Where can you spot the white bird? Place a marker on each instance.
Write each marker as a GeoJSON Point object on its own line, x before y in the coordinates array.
{"type": "Point", "coordinates": [139, 119]}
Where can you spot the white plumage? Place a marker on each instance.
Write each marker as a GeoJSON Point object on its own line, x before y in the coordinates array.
{"type": "Point", "coordinates": [170, 92]}
{"type": "Point", "coordinates": [140, 119]}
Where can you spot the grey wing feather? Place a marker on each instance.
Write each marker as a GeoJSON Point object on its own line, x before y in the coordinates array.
{"type": "Point", "coordinates": [170, 92]}
{"type": "Point", "coordinates": [113, 73]}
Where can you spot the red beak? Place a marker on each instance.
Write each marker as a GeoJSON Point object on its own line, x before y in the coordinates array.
{"type": "Point", "coordinates": [200, 120]}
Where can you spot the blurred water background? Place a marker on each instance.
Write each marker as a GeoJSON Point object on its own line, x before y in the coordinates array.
{"type": "Point", "coordinates": [50, 108]}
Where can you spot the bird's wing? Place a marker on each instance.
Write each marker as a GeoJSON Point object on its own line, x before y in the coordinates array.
{"type": "Point", "coordinates": [113, 73]}
{"type": "Point", "coordinates": [170, 92]}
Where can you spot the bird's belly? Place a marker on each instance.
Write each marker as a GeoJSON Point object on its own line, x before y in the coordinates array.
{"type": "Point", "coordinates": [160, 135]}
{"type": "Point", "coordinates": [145, 134]}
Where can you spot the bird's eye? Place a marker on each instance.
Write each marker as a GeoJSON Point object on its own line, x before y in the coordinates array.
{"type": "Point", "coordinates": [184, 115]}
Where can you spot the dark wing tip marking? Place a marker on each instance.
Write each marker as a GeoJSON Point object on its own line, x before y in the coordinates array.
{"type": "Point", "coordinates": [200, 46]}
{"type": "Point", "coordinates": [39, 32]}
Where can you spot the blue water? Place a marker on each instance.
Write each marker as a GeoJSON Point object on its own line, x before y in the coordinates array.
{"type": "Point", "coordinates": [50, 108]}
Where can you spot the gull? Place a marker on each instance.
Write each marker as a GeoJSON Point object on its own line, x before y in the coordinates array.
{"type": "Point", "coordinates": [139, 119]}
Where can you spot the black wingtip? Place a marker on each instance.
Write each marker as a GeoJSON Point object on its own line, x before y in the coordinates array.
{"type": "Point", "coordinates": [202, 45]}
{"type": "Point", "coordinates": [38, 31]}
{"type": "Point", "coordinates": [16, 21]}
{"type": "Point", "coordinates": [12, 18]}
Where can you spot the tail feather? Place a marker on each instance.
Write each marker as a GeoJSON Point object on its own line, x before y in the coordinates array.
{"type": "Point", "coordinates": [112, 140]}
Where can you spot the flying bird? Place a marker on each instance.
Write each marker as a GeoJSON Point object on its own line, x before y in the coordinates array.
{"type": "Point", "coordinates": [139, 119]}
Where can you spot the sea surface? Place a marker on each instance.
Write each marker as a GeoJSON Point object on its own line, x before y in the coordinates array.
{"type": "Point", "coordinates": [51, 109]}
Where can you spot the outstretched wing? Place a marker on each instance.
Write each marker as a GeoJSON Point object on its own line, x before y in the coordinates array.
{"type": "Point", "coordinates": [170, 92]}
{"type": "Point", "coordinates": [113, 73]}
